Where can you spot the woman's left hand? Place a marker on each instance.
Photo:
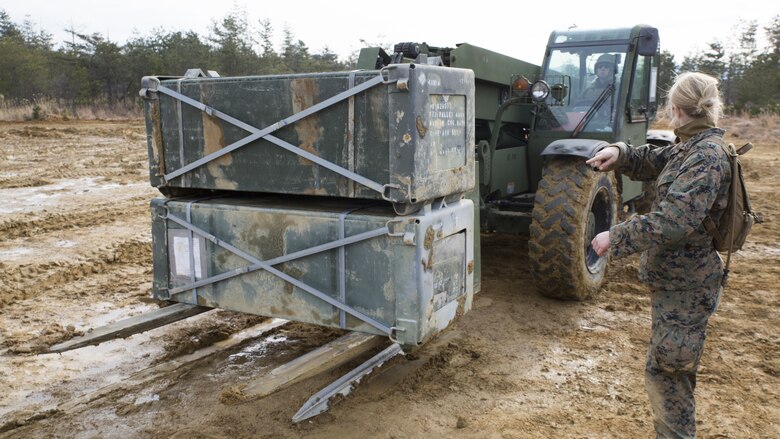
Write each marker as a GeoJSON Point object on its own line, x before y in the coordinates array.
{"type": "Point", "coordinates": [601, 243]}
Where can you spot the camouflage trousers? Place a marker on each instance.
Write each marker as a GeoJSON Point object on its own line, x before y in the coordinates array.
{"type": "Point", "coordinates": [679, 329]}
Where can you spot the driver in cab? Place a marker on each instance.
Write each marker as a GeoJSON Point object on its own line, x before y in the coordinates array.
{"type": "Point", "coordinates": [605, 72]}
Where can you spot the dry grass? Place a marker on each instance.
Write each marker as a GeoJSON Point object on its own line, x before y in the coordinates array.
{"type": "Point", "coordinates": [49, 109]}
{"type": "Point", "coordinates": [762, 128]}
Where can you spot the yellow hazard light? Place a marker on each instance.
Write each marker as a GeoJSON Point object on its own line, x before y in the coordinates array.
{"type": "Point", "coordinates": [521, 84]}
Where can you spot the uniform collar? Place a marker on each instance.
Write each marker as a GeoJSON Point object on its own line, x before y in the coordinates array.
{"type": "Point", "coordinates": [684, 147]}
{"type": "Point", "coordinates": [690, 129]}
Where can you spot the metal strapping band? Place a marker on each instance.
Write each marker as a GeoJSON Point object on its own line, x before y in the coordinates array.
{"type": "Point", "coordinates": [266, 133]}
{"type": "Point", "coordinates": [181, 124]}
{"type": "Point", "coordinates": [257, 264]}
{"type": "Point", "coordinates": [192, 252]}
{"type": "Point", "coordinates": [351, 134]}
{"type": "Point", "coordinates": [343, 267]}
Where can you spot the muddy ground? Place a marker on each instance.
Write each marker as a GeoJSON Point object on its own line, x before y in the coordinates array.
{"type": "Point", "coordinates": [75, 253]}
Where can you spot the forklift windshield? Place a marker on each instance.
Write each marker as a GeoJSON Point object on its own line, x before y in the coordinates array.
{"type": "Point", "coordinates": [584, 84]}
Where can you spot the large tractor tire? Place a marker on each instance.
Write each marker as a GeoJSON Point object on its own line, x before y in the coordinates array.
{"type": "Point", "coordinates": [572, 205]}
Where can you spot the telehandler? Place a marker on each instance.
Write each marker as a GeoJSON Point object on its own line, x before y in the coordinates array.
{"type": "Point", "coordinates": [536, 125]}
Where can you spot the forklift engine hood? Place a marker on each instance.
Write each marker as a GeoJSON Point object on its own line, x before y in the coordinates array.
{"type": "Point", "coordinates": [577, 147]}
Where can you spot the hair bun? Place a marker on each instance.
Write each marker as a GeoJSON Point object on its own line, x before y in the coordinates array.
{"type": "Point", "coordinates": [696, 94]}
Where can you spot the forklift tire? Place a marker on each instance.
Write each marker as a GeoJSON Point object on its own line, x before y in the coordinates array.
{"type": "Point", "coordinates": [572, 205]}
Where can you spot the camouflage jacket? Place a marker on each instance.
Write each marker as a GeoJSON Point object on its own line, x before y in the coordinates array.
{"type": "Point", "coordinates": [594, 90]}
{"type": "Point", "coordinates": [690, 176]}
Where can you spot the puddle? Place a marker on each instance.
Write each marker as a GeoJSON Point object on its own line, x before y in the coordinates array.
{"type": "Point", "coordinates": [31, 199]}
{"type": "Point", "coordinates": [257, 349]}
{"type": "Point", "coordinates": [249, 357]}
{"type": "Point", "coordinates": [146, 398]}
{"type": "Point", "coordinates": [14, 252]}
{"type": "Point", "coordinates": [38, 382]}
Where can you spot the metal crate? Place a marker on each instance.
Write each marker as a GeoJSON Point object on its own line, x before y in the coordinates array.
{"type": "Point", "coordinates": [340, 263]}
{"type": "Point", "coordinates": [403, 134]}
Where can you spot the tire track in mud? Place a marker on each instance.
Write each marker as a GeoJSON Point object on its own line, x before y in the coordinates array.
{"type": "Point", "coordinates": [129, 172]}
{"type": "Point", "coordinates": [109, 130]}
{"type": "Point", "coordinates": [32, 326]}
{"type": "Point", "coordinates": [23, 181]}
{"type": "Point", "coordinates": [72, 174]}
{"type": "Point", "coordinates": [31, 280]}
{"type": "Point", "coordinates": [37, 155]}
{"type": "Point", "coordinates": [123, 172]}
{"type": "Point", "coordinates": [53, 221]}
{"type": "Point", "coordinates": [111, 168]}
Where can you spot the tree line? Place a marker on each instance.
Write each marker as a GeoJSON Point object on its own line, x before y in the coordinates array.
{"type": "Point", "coordinates": [90, 69]}
{"type": "Point", "coordinates": [749, 74]}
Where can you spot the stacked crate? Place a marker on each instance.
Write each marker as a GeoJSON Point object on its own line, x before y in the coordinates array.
{"type": "Point", "coordinates": [335, 199]}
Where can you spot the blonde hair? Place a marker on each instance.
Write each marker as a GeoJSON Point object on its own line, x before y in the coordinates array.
{"type": "Point", "coordinates": [696, 94]}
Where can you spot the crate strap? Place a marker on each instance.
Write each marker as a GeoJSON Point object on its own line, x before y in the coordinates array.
{"type": "Point", "coordinates": [351, 134]}
{"type": "Point", "coordinates": [190, 243]}
{"type": "Point", "coordinates": [266, 134]}
{"type": "Point", "coordinates": [180, 116]}
{"type": "Point", "coordinates": [342, 269]}
{"type": "Point", "coordinates": [257, 264]}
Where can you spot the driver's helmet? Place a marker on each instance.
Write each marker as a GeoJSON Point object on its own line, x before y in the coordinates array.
{"type": "Point", "coordinates": [607, 60]}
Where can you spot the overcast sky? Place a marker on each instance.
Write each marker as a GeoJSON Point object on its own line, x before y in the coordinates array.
{"type": "Point", "coordinates": [518, 29]}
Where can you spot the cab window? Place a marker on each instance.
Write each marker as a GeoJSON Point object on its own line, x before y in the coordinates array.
{"type": "Point", "coordinates": [642, 90]}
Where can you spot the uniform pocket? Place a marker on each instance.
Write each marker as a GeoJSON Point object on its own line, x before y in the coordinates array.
{"type": "Point", "coordinates": [666, 178]}
{"type": "Point", "coordinates": [662, 184]}
{"type": "Point", "coordinates": [677, 348]}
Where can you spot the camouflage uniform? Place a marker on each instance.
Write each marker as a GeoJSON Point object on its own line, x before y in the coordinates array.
{"type": "Point", "coordinates": [678, 261]}
{"type": "Point", "coordinates": [594, 90]}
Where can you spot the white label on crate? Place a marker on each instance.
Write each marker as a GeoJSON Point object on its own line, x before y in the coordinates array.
{"type": "Point", "coordinates": [181, 256]}
{"type": "Point", "coordinates": [510, 188]}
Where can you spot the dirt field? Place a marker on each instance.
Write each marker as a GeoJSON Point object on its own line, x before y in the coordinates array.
{"type": "Point", "coordinates": [75, 253]}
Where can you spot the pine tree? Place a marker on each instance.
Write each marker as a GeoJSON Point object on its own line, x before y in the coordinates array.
{"type": "Point", "coordinates": [712, 61]}
{"type": "Point", "coordinates": [667, 72]}
{"type": "Point", "coordinates": [233, 40]}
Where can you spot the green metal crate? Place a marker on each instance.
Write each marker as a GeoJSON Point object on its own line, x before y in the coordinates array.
{"type": "Point", "coordinates": [340, 263]}
{"type": "Point", "coordinates": [404, 134]}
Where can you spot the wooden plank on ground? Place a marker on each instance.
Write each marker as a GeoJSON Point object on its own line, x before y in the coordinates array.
{"type": "Point", "coordinates": [133, 325]}
{"type": "Point", "coordinates": [162, 369]}
{"type": "Point", "coordinates": [326, 357]}
{"type": "Point", "coordinates": [144, 376]}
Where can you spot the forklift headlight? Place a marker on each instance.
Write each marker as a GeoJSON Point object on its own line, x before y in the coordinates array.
{"type": "Point", "coordinates": [540, 90]}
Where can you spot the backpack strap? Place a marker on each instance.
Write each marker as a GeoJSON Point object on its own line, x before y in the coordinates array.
{"type": "Point", "coordinates": [732, 155]}
{"type": "Point", "coordinates": [708, 222]}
